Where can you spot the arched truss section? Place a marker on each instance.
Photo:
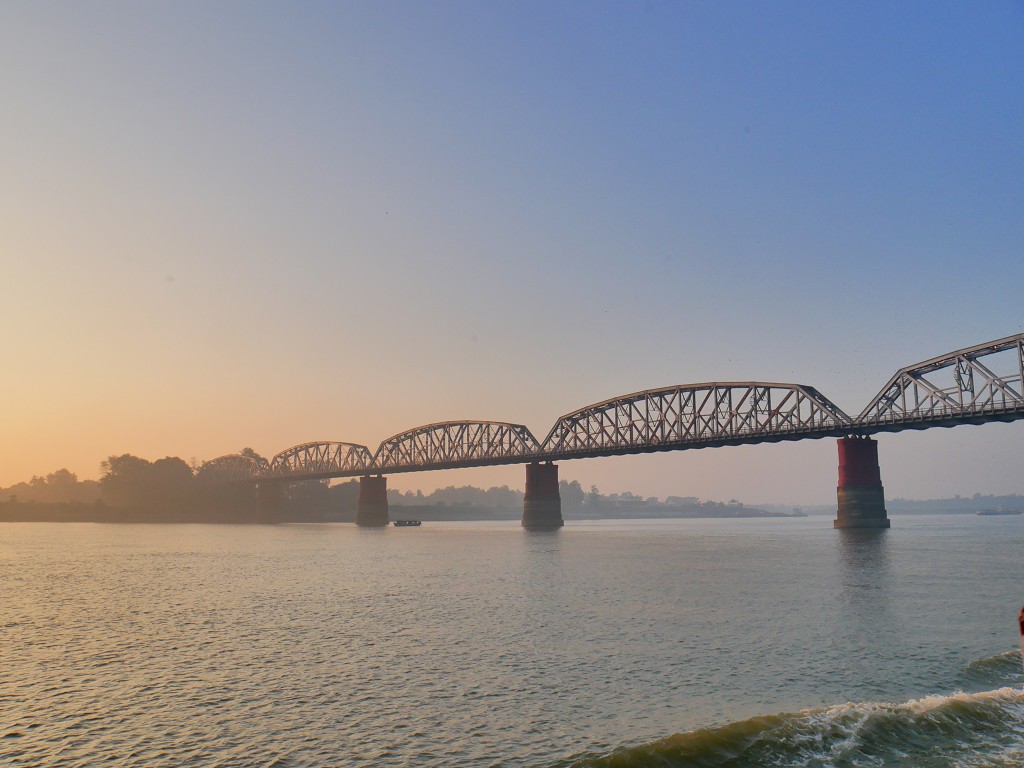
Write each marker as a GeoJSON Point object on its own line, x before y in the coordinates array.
{"type": "Point", "coordinates": [976, 384]}
{"type": "Point", "coordinates": [695, 416]}
{"type": "Point", "coordinates": [324, 458]}
{"type": "Point", "coordinates": [232, 467]}
{"type": "Point", "coordinates": [456, 443]}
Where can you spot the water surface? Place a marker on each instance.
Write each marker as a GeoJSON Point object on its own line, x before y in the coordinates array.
{"type": "Point", "coordinates": [479, 644]}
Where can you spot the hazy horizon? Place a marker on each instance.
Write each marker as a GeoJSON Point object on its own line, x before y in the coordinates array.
{"type": "Point", "coordinates": [251, 224]}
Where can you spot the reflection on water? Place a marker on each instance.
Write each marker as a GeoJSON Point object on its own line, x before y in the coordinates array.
{"type": "Point", "coordinates": [863, 557]}
{"type": "Point", "coordinates": [474, 644]}
{"type": "Point", "coordinates": [542, 533]}
{"type": "Point", "coordinates": [868, 628]}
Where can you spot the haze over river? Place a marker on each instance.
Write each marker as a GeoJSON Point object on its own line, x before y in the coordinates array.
{"type": "Point", "coordinates": [480, 644]}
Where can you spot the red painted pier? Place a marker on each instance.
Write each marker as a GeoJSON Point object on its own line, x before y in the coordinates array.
{"type": "Point", "coordinates": [974, 385]}
{"type": "Point", "coordinates": [860, 494]}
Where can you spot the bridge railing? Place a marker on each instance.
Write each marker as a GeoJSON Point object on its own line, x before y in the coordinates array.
{"type": "Point", "coordinates": [233, 467]}
{"type": "Point", "coordinates": [326, 458]}
{"type": "Point", "coordinates": [985, 379]}
{"type": "Point", "coordinates": [955, 414]}
{"type": "Point", "coordinates": [980, 383]}
{"type": "Point", "coordinates": [690, 415]}
{"type": "Point", "coordinates": [456, 443]}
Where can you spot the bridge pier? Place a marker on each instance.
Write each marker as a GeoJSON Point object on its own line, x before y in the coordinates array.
{"type": "Point", "coordinates": [542, 504]}
{"type": "Point", "coordinates": [372, 508]}
{"type": "Point", "coordinates": [860, 495]}
{"type": "Point", "coordinates": [270, 501]}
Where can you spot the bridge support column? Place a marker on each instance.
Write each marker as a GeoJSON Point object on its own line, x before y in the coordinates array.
{"type": "Point", "coordinates": [270, 502]}
{"type": "Point", "coordinates": [372, 509]}
{"type": "Point", "coordinates": [860, 494]}
{"type": "Point", "coordinates": [542, 505]}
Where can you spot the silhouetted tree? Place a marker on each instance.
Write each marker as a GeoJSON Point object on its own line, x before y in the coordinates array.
{"type": "Point", "coordinates": [571, 493]}
{"type": "Point", "coordinates": [124, 480]}
{"type": "Point", "coordinates": [60, 486]}
{"type": "Point", "coordinates": [503, 497]}
{"type": "Point", "coordinates": [310, 498]}
{"type": "Point", "coordinates": [170, 481]}
{"type": "Point", "coordinates": [129, 481]}
{"type": "Point", "coordinates": [344, 497]}
{"type": "Point", "coordinates": [247, 451]}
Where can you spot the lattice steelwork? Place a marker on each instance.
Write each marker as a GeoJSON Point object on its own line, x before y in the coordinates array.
{"type": "Point", "coordinates": [456, 443]}
{"type": "Point", "coordinates": [232, 467]}
{"type": "Point", "coordinates": [969, 386]}
{"type": "Point", "coordinates": [326, 459]}
{"type": "Point", "coordinates": [695, 416]}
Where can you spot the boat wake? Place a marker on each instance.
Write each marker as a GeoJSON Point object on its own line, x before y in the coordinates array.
{"type": "Point", "coordinates": [1001, 669]}
{"type": "Point", "coordinates": [961, 730]}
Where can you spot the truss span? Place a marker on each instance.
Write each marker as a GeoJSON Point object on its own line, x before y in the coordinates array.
{"type": "Point", "coordinates": [322, 459]}
{"type": "Point", "coordinates": [232, 468]}
{"type": "Point", "coordinates": [456, 444]}
{"type": "Point", "coordinates": [970, 386]}
{"type": "Point", "coordinates": [695, 416]}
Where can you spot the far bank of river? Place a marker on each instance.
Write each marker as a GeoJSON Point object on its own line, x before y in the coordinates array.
{"type": "Point", "coordinates": [75, 512]}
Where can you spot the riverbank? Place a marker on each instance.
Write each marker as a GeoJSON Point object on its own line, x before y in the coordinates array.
{"type": "Point", "coordinates": [98, 512]}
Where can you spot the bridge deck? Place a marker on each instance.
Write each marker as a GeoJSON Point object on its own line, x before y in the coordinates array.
{"type": "Point", "coordinates": [974, 385]}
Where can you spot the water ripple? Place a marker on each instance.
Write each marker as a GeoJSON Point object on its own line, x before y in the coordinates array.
{"type": "Point", "coordinates": [462, 645]}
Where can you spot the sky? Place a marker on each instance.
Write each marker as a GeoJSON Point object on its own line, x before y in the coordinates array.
{"type": "Point", "coordinates": [261, 224]}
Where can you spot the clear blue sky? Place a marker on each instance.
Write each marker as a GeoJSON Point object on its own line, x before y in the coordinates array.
{"type": "Point", "coordinates": [260, 224]}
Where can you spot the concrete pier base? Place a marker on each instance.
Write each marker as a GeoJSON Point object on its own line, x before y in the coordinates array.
{"type": "Point", "coordinates": [372, 508]}
{"type": "Point", "coordinates": [860, 494]}
{"type": "Point", "coordinates": [270, 502]}
{"type": "Point", "coordinates": [542, 504]}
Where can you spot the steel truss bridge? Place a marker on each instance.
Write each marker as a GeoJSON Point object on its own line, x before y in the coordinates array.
{"type": "Point", "coordinates": [975, 385]}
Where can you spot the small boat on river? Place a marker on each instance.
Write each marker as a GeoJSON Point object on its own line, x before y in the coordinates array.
{"type": "Point", "coordinates": [407, 523]}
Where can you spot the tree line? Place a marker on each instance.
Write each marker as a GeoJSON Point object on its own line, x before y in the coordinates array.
{"type": "Point", "coordinates": [168, 488]}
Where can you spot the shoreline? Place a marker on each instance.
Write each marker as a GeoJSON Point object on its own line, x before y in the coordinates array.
{"type": "Point", "coordinates": [98, 512]}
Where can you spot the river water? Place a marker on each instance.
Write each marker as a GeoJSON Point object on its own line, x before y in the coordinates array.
{"type": "Point", "coordinates": [648, 643]}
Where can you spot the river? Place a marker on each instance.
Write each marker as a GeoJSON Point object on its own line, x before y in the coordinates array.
{"type": "Point", "coordinates": [671, 643]}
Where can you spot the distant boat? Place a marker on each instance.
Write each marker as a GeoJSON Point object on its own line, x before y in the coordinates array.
{"type": "Point", "coordinates": [407, 523]}
{"type": "Point", "coordinates": [1000, 511]}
